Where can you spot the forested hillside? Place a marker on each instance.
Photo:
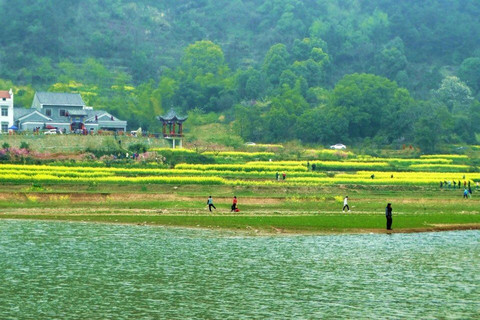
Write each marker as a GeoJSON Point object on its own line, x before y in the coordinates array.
{"type": "Point", "coordinates": [321, 71]}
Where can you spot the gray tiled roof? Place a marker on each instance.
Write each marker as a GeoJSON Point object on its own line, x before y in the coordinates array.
{"type": "Point", "coordinates": [171, 116]}
{"type": "Point", "coordinates": [56, 118]}
{"type": "Point", "coordinates": [20, 112]}
{"type": "Point", "coordinates": [60, 98]}
{"type": "Point", "coordinates": [77, 112]}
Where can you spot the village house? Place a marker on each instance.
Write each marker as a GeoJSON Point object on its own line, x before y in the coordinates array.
{"type": "Point", "coordinates": [66, 112]}
{"type": "Point", "coordinates": [6, 108]}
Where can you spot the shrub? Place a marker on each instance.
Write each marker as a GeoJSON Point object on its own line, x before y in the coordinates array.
{"type": "Point", "coordinates": [138, 148]}
{"type": "Point", "coordinates": [24, 145]}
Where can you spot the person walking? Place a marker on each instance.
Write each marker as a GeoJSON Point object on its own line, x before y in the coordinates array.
{"type": "Point", "coordinates": [284, 175]}
{"type": "Point", "coordinates": [210, 203]}
{"type": "Point", "coordinates": [345, 204]}
{"type": "Point", "coordinates": [465, 194]}
{"type": "Point", "coordinates": [388, 215]}
{"type": "Point", "coordinates": [277, 175]}
{"type": "Point", "coordinates": [234, 204]}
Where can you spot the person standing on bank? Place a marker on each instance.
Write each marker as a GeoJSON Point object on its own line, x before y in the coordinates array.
{"type": "Point", "coordinates": [234, 204]}
{"type": "Point", "coordinates": [388, 215]}
{"type": "Point", "coordinates": [210, 203]}
{"type": "Point", "coordinates": [345, 204]}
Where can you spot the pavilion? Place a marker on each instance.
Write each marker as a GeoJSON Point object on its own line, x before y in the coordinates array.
{"type": "Point", "coordinates": [173, 127]}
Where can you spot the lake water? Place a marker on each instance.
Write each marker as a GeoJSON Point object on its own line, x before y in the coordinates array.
{"type": "Point", "coordinates": [55, 270]}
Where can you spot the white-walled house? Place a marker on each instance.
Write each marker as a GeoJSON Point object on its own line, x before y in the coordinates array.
{"type": "Point", "coordinates": [6, 110]}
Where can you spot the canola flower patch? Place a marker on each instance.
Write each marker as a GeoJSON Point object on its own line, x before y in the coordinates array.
{"type": "Point", "coordinates": [251, 166]}
{"type": "Point", "coordinates": [445, 156]}
{"type": "Point", "coordinates": [239, 154]}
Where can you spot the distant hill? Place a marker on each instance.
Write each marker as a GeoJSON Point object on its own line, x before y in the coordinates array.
{"type": "Point", "coordinates": [283, 58]}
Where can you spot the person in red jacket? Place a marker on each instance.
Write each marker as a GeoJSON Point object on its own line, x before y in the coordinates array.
{"type": "Point", "coordinates": [234, 204]}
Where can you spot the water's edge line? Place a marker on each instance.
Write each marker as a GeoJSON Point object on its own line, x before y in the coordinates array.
{"type": "Point", "coordinates": [269, 232]}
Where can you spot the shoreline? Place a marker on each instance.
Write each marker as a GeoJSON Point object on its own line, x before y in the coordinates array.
{"type": "Point", "coordinates": [271, 231]}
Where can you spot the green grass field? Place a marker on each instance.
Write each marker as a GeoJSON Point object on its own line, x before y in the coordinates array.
{"type": "Point", "coordinates": [263, 209]}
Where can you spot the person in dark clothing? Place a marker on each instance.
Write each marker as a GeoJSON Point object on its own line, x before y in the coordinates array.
{"type": "Point", "coordinates": [314, 166]}
{"type": "Point", "coordinates": [454, 184]}
{"type": "Point", "coordinates": [234, 204]}
{"type": "Point", "coordinates": [441, 184]}
{"type": "Point", "coordinates": [210, 203]}
{"type": "Point", "coordinates": [388, 215]}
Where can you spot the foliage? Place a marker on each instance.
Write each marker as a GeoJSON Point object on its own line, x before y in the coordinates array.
{"type": "Point", "coordinates": [381, 72]}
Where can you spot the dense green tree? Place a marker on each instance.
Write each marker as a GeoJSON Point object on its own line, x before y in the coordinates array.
{"type": "Point", "coordinates": [275, 62]}
{"type": "Point", "coordinates": [203, 58]}
{"type": "Point", "coordinates": [469, 72]}
{"type": "Point", "coordinates": [455, 94]}
{"type": "Point", "coordinates": [369, 101]}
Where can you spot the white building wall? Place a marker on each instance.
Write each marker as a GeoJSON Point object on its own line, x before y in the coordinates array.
{"type": "Point", "coordinates": [8, 104]}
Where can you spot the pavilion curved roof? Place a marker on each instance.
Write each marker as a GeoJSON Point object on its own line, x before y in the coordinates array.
{"type": "Point", "coordinates": [172, 116]}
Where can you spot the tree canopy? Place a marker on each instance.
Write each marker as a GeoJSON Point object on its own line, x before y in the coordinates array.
{"type": "Point", "coordinates": [321, 71]}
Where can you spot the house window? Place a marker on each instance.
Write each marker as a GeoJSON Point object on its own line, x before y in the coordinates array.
{"type": "Point", "coordinates": [62, 113]}
{"type": "Point", "coordinates": [48, 112]}
{"type": "Point", "coordinates": [4, 126]}
{"type": "Point", "coordinates": [4, 111]}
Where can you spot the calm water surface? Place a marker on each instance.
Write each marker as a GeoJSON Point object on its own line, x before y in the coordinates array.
{"type": "Point", "coordinates": [51, 270]}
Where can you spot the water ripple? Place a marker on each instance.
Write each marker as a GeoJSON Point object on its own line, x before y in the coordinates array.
{"type": "Point", "coordinates": [54, 270]}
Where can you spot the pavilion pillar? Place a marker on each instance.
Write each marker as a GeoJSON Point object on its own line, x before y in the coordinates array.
{"type": "Point", "coordinates": [164, 129]}
{"type": "Point", "coordinates": [173, 143]}
{"type": "Point", "coordinates": [180, 129]}
{"type": "Point", "coordinates": [173, 131]}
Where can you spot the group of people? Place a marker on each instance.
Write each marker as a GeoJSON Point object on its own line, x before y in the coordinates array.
{"type": "Point", "coordinates": [388, 212]}
{"type": "Point", "coordinates": [234, 208]}
{"type": "Point", "coordinates": [277, 176]}
{"type": "Point", "coordinates": [467, 188]}
{"type": "Point", "coordinates": [234, 204]}
{"type": "Point", "coordinates": [313, 167]}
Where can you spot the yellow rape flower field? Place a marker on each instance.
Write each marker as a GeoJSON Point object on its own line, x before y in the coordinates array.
{"type": "Point", "coordinates": [274, 196]}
